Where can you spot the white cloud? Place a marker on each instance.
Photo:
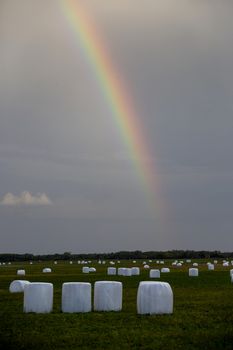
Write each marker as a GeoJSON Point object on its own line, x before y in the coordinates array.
{"type": "Point", "coordinates": [25, 198]}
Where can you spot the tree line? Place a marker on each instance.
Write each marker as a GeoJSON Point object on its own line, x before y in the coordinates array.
{"type": "Point", "coordinates": [121, 255]}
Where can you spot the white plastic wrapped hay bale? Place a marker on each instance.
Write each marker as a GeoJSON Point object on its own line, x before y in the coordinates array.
{"type": "Point", "coordinates": [135, 271]}
{"type": "Point", "coordinates": [146, 266]}
{"type": "Point", "coordinates": [120, 271]}
{"type": "Point", "coordinates": [165, 270]}
{"type": "Point", "coordinates": [134, 261]}
{"type": "Point", "coordinates": [211, 267]}
{"type": "Point", "coordinates": [231, 272]}
{"type": "Point", "coordinates": [188, 261]}
{"type": "Point", "coordinates": [85, 269]}
{"type": "Point", "coordinates": [21, 272]}
{"type": "Point", "coordinates": [179, 264]}
{"type": "Point", "coordinates": [38, 297]}
{"type": "Point", "coordinates": [17, 286]}
{"type": "Point", "coordinates": [154, 273]}
{"type": "Point", "coordinates": [76, 297]}
{"type": "Point", "coordinates": [47, 270]}
{"type": "Point", "coordinates": [108, 296]}
{"type": "Point", "coordinates": [71, 262]}
{"type": "Point", "coordinates": [112, 263]}
{"type": "Point", "coordinates": [154, 298]}
{"type": "Point", "coordinates": [215, 261]}
{"type": "Point", "coordinates": [127, 271]}
{"type": "Point", "coordinates": [111, 271]}
{"type": "Point", "coordinates": [225, 264]}
{"type": "Point", "coordinates": [193, 272]}
{"type": "Point", "coordinates": [92, 269]}
{"type": "Point", "coordinates": [195, 264]}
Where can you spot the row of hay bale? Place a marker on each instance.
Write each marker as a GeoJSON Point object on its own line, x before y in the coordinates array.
{"type": "Point", "coordinates": [152, 297]}
{"type": "Point", "coordinates": [22, 272]}
{"type": "Point", "coordinates": [133, 271]}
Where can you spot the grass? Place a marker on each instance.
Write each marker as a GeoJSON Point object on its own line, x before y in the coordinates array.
{"type": "Point", "coordinates": [202, 318]}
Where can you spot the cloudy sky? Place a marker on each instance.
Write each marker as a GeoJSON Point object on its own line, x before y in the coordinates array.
{"type": "Point", "coordinates": [68, 181]}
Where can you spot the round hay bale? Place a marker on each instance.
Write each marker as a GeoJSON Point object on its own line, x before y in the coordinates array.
{"type": "Point", "coordinates": [146, 266]}
{"type": "Point", "coordinates": [21, 272]}
{"type": "Point", "coordinates": [108, 296]}
{"type": "Point", "coordinates": [47, 270]}
{"type": "Point", "coordinates": [193, 272]}
{"type": "Point", "coordinates": [154, 273]}
{"type": "Point", "coordinates": [165, 270]}
{"type": "Point", "coordinates": [211, 267]}
{"type": "Point", "coordinates": [127, 271]}
{"type": "Point", "coordinates": [154, 298]}
{"type": "Point", "coordinates": [111, 271]}
{"type": "Point", "coordinates": [92, 269]}
{"type": "Point", "coordinates": [76, 297]}
{"type": "Point", "coordinates": [120, 271]}
{"type": "Point", "coordinates": [17, 286]}
{"type": "Point", "coordinates": [231, 272]}
{"type": "Point", "coordinates": [85, 269]}
{"type": "Point", "coordinates": [38, 297]}
{"type": "Point", "coordinates": [195, 264]}
{"type": "Point", "coordinates": [135, 271]}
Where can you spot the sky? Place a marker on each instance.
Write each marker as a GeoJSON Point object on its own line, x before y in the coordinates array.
{"type": "Point", "coordinates": [68, 179]}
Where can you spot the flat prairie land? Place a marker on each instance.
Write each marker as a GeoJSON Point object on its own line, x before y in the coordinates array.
{"type": "Point", "coordinates": [202, 317]}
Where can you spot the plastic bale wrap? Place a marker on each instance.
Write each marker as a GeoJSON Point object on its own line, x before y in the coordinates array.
{"type": "Point", "coordinates": [85, 269]}
{"type": "Point", "coordinates": [47, 270]}
{"type": "Point", "coordinates": [108, 296]}
{"type": "Point", "coordinates": [38, 297]}
{"type": "Point", "coordinates": [111, 271]}
{"type": "Point", "coordinates": [21, 272]}
{"type": "Point", "coordinates": [193, 272]}
{"type": "Point", "coordinates": [165, 270]}
{"type": "Point", "coordinates": [211, 267]}
{"type": "Point", "coordinates": [127, 271]}
{"type": "Point", "coordinates": [76, 297]}
{"type": "Point", "coordinates": [231, 272]}
{"type": "Point", "coordinates": [195, 264]}
{"type": "Point", "coordinates": [92, 269]}
{"type": "Point", "coordinates": [154, 298]}
{"type": "Point", "coordinates": [120, 271]}
{"type": "Point", "coordinates": [146, 266]}
{"type": "Point", "coordinates": [135, 271]}
{"type": "Point", "coordinates": [17, 286]}
{"type": "Point", "coordinates": [154, 273]}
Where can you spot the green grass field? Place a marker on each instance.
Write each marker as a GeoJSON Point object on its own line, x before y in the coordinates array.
{"type": "Point", "coordinates": [202, 318]}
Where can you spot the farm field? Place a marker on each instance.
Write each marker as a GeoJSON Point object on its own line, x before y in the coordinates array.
{"type": "Point", "coordinates": [202, 317]}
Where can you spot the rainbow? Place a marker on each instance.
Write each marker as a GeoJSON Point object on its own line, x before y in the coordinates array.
{"type": "Point", "coordinates": [115, 92]}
